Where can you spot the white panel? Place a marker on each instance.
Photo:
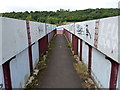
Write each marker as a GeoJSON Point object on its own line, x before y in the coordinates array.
{"type": "Point", "coordinates": [79, 47]}
{"type": "Point", "coordinates": [86, 30]}
{"type": "Point", "coordinates": [48, 28]}
{"type": "Point", "coordinates": [108, 37]}
{"type": "Point", "coordinates": [20, 69]}
{"type": "Point", "coordinates": [101, 69]}
{"type": "Point", "coordinates": [34, 31]}
{"type": "Point", "coordinates": [53, 27]}
{"type": "Point", "coordinates": [69, 35]}
{"type": "Point", "coordinates": [49, 37]}
{"type": "Point", "coordinates": [72, 28]}
{"type": "Point", "coordinates": [107, 34]}
{"type": "Point", "coordinates": [42, 30]}
{"type": "Point", "coordinates": [85, 53]}
{"type": "Point", "coordinates": [59, 28]}
{"type": "Point", "coordinates": [71, 38]}
{"type": "Point", "coordinates": [14, 34]}
{"type": "Point", "coordinates": [37, 31]}
{"type": "Point", "coordinates": [1, 77]}
{"type": "Point", "coordinates": [0, 40]}
{"type": "Point", "coordinates": [35, 54]}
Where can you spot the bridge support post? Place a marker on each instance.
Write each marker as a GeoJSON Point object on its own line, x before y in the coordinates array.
{"type": "Point", "coordinates": [29, 47]}
{"type": "Point", "coordinates": [89, 59]}
{"type": "Point", "coordinates": [7, 75]}
{"type": "Point", "coordinates": [114, 73]}
{"type": "Point", "coordinates": [80, 49]}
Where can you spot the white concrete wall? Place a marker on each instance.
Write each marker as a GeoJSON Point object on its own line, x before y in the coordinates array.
{"type": "Point", "coordinates": [107, 34]}
{"type": "Point", "coordinates": [71, 37]}
{"type": "Point", "coordinates": [108, 37]}
{"type": "Point", "coordinates": [0, 40]}
{"type": "Point", "coordinates": [101, 69]}
{"type": "Point", "coordinates": [2, 76]}
{"type": "Point", "coordinates": [14, 37]}
{"type": "Point", "coordinates": [80, 31]}
{"type": "Point", "coordinates": [14, 42]}
{"type": "Point", "coordinates": [72, 28]}
{"type": "Point", "coordinates": [85, 49]}
{"type": "Point", "coordinates": [35, 54]}
{"type": "Point", "coordinates": [107, 44]}
{"type": "Point", "coordinates": [78, 47]}
{"type": "Point", "coordinates": [34, 31]}
{"type": "Point", "coordinates": [50, 35]}
{"type": "Point", "coordinates": [48, 28]}
{"type": "Point", "coordinates": [37, 31]}
{"type": "Point", "coordinates": [20, 69]}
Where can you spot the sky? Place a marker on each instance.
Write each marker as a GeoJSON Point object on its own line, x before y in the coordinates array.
{"type": "Point", "coordinates": [53, 5]}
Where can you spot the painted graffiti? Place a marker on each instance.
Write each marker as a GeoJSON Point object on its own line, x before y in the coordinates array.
{"type": "Point", "coordinates": [40, 28]}
{"type": "Point", "coordinates": [84, 31]}
{"type": "Point", "coordinates": [80, 30]}
{"type": "Point", "coordinates": [88, 34]}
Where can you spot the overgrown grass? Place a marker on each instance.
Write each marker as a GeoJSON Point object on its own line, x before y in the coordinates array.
{"type": "Point", "coordinates": [81, 69]}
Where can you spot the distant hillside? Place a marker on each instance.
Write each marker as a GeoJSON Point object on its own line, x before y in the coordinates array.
{"type": "Point", "coordinates": [62, 16]}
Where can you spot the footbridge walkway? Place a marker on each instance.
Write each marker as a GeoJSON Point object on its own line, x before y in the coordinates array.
{"type": "Point", "coordinates": [94, 42]}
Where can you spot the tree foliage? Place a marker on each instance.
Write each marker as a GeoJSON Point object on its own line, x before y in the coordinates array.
{"type": "Point", "coordinates": [61, 16]}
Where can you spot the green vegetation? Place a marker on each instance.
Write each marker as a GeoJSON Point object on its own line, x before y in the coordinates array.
{"type": "Point", "coordinates": [62, 16]}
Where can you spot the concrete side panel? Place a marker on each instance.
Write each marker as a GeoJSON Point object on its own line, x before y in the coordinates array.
{"type": "Point", "coordinates": [37, 30]}
{"type": "Point", "coordinates": [20, 69]}
{"type": "Point", "coordinates": [2, 77]}
{"type": "Point", "coordinates": [72, 28]}
{"type": "Point", "coordinates": [34, 31]}
{"type": "Point", "coordinates": [85, 53]}
{"type": "Point", "coordinates": [0, 40]}
{"type": "Point", "coordinates": [66, 27]}
{"type": "Point", "coordinates": [71, 37]}
{"type": "Point", "coordinates": [78, 47]}
{"type": "Point", "coordinates": [108, 37]}
{"type": "Point", "coordinates": [101, 69]}
{"type": "Point", "coordinates": [14, 38]}
{"type": "Point", "coordinates": [86, 30]}
{"type": "Point", "coordinates": [48, 28]}
{"type": "Point", "coordinates": [101, 34]}
{"type": "Point", "coordinates": [50, 35]}
{"type": "Point", "coordinates": [35, 54]}
{"type": "Point", "coordinates": [53, 27]}
{"type": "Point", "coordinates": [42, 30]}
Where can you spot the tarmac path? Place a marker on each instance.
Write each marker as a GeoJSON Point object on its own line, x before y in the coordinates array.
{"type": "Point", "coordinates": [60, 72]}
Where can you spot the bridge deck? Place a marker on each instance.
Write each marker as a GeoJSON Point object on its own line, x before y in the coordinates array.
{"type": "Point", "coordinates": [60, 72]}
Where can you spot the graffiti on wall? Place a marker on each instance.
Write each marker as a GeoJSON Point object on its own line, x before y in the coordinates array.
{"type": "Point", "coordinates": [40, 28]}
{"type": "Point", "coordinates": [88, 34]}
{"type": "Point", "coordinates": [84, 31]}
{"type": "Point", "coordinates": [80, 30]}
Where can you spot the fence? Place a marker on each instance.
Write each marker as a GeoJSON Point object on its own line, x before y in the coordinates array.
{"type": "Point", "coordinates": [22, 43]}
{"type": "Point", "coordinates": [96, 43]}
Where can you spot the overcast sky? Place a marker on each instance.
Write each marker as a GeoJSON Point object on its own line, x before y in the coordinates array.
{"type": "Point", "coordinates": [53, 5]}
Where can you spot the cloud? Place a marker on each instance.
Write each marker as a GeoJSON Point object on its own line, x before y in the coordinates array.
{"type": "Point", "coordinates": [53, 5]}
